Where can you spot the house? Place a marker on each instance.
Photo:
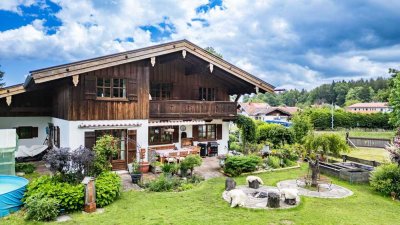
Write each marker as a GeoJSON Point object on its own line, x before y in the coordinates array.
{"type": "Point", "coordinates": [173, 93]}
{"type": "Point", "coordinates": [263, 111]}
{"type": "Point", "coordinates": [370, 107]}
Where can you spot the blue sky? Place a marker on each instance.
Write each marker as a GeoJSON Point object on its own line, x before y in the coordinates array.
{"type": "Point", "coordinates": [290, 44]}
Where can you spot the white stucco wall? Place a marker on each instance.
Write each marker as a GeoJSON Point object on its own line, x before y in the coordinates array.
{"type": "Point", "coordinates": [73, 136]}
{"type": "Point", "coordinates": [40, 122]}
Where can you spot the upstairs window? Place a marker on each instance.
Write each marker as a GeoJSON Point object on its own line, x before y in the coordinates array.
{"type": "Point", "coordinates": [160, 91]}
{"type": "Point", "coordinates": [207, 94]}
{"type": "Point", "coordinates": [111, 88]}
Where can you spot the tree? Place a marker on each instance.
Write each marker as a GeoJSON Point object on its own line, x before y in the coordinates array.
{"type": "Point", "coordinates": [212, 51]}
{"type": "Point", "coordinates": [248, 130]}
{"type": "Point", "coordinates": [1, 79]}
{"type": "Point", "coordinates": [301, 127]}
{"type": "Point", "coordinates": [394, 97]}
{"type": "Point", "coordinates": [318, 146]}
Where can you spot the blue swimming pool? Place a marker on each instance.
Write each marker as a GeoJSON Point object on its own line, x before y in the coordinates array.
{"type": "Point", "coordinates": [12, 190]}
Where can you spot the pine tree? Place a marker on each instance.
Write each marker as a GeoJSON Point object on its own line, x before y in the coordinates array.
{"type": "Point", "coordinates": [1, 79]}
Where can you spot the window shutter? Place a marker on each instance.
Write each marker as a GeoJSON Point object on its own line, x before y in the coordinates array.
{"type": "Point", "coordinates": [219, 131]}
{"type": "Point", "coordinates": [131, 145]}
{"type": "Point", "coordinates": [195, 132]}
{"type": "Point", "coordinates": [35, 132]}
{"type": "Point", "coordinates": [132, 90]}
{"type": "Point", "coordinates": [175, 135]}
{"type": "Point", "coordinates": [90, 139]}
{"type": "Point", "coordinates": [90, 87]}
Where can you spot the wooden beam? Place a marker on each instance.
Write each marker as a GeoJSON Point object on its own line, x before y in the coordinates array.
{"type": "Point", "coordinates": [8, 100]}
{"type": "Point", "coordinates": [75, 80]}
{"type": "Point", "coordinates": [237, 97]}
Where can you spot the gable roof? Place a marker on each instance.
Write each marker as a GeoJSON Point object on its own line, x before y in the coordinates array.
{"type": "Point", "coordinates": [370, 105]}
{"type": "Point", "coordinates": [253, 108]}
{"type": "Point", "coordinates": [84, 66]}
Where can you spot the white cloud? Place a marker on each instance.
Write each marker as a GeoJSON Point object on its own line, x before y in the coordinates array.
{"type": "Point", "coordinates": [14, 5]}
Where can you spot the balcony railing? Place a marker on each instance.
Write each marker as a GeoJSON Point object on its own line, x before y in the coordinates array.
{"type": "Point", "coordinates": [190, 109]}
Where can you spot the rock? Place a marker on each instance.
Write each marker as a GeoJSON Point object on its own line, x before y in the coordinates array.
{"type": "Point", "coordinates": [230, 184]}
{"type": "Point", "coordinates": [274, 200]}
{"type": "Point", "coordinates": [260, 194]}
{"type": "Point", "coordinates": [238, 197]}
{"type": "Point", "coordinates": [254, 184]}
{"type": "Point", "coordinates": [290, 201]}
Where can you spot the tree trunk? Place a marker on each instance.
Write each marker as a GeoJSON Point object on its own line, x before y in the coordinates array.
{"type": "Point", "coordinates": [314, 166]}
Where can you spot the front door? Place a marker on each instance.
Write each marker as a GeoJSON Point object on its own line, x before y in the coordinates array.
{"type": "Point", "coordinates": [120, 158]}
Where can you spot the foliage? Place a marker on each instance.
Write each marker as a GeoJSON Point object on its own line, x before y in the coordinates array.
{"type": "Point", "coordinates": [69, 196]}
{"type": "Point", "coordinates": [247, 128]}
{"type": "Point", "coordinates": [253, 148]}
{"type": "Point", "coordinates": [104, 148]}
{"type": "Point", "coordinates": [236, 165]}
{"type": "Point", "coordinates": [386, 179]}
{"type": "Point", "coordinates": [41, 208]}
{"type": "Point", "coordinates": [394, 97]}
{"type": "Point", "coordinates": [325, 144]}
{"type": "Point", "coordinates": [273, 161]}
{"type": "Point", "coordinates": [212, 51]}
{"type": "Point", "coordinates": [301, 126]}
{"type": "Point", "coordinates": [321, 119]}
{"type": "Point", "coordinates": [235, 146]}
{"type": "Point", "coordinates": [164, 183]}
{"type": "Point", "coordinates": [275, 133]}
{"type": "Point", "coordinates": [190, 162]}
{"type": "Point", "coordinates": [170, 168]}
{"type": "Point", "coordinates": [2, 84]}
{"type": "Point", "coordinates": [185, 187]}
{"type": "Point", "coordinates": [71, 165]}
{"type": "Point", "coordinates": [195, 179]}
{"type": "Point", "coordinates": [339, 93]}
{"type": "Point", "coordinates": [27, 168]}
{"type": "Point", "coordinates": [108, 188]}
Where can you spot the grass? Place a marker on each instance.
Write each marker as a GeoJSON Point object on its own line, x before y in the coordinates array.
{"type": "Point", "coordinates": [204, 205]}
{"type": "Point", "coordinates": [377, 154]}
{"type": "Point", "coordinates": [363, 133]}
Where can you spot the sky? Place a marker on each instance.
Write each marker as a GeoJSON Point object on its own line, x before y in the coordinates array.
{"type": "Point", "coordinates": [289, 44]}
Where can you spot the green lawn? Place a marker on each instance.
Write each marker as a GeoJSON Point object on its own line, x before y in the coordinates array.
{"type": "Point", "coordinates": [204, 205]}
{"type": "Point", "coordinates": [361, 133]}
{"type": "Point", "coordinates": [377, 154]}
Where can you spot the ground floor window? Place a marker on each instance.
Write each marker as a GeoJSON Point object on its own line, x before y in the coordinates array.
{"type": "Point", "coordinates": [27, 132]}
{"type": "Point", "coordinates": [207, 132]}
{"type": "Point", "coordinates": [160, 135]}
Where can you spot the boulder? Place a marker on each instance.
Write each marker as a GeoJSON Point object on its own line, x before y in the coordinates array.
{"type": "Point", "coordinates": [230, 184]}
{"type": "Point", "coordinates": [237, 196]}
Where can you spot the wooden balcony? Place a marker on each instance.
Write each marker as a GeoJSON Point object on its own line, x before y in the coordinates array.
{"type": "Point", "coordinates": [190, 109]}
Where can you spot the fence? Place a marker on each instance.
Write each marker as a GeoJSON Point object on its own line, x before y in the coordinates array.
{"type": "Point", "coordinates": [368, 142]}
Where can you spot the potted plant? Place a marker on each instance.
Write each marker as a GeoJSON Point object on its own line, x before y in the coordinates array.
{"type": "Point", "coordinates": [156, 167]}
{"type": "Point", "coordinates": [136, 175]}
{"type": "Point", "coordinates": [144, 167]}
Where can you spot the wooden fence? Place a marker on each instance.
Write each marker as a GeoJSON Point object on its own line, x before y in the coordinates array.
{"type": "Point", "coordinates": [368, 142]}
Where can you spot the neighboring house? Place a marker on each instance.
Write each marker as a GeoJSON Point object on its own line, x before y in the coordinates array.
{"type": "Point", "coordinates": [263, 111]}
{"type": "Point", "coordinates": [370, 107]}
{"type": "Point", "coordinates": [154, 96]}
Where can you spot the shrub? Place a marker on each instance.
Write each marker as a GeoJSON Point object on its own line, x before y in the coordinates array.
{"type": "Point", "coordinates": [301, 126]}
{"type": "Point", "coordinates": [163, 183]}
{"type": "Point", "coordinates": [235, 146]}
{"type": "Point", "coordinates": [386, 179]}
{"type": "Point", "coordinates": [288, 162]}
{"type": "Point", "coordinates": [27, 168]}
{"type": "Point", "coordinates": [69, 196]}
{"type": "Point", "coordinates": [73, 166]}
{"type": "Point", "coordinates": [40, 208]}
{"type": "Point", "coordinates": [185, 187]}
{"type": "Point", "coordinates": [236, 165]}
{"type": "Point", "coordinates": [275, 133]}
{"type": "Point", "coordinates": [325, 144]}
{"type": "Point", "coordinates": [190, 162]}
{"type": "Point", "coordinates": [274, 162]}
{"type": "Point", "coordinates": [108, 188]}
{"type": "Point", "coordinates": [247, 128]}
{"type": "Point", "coordinates": [195, 179]}
{"type": "Point", "coordinates": [104, 148]}
{"type": "Point", "coordinates": [170, 168]}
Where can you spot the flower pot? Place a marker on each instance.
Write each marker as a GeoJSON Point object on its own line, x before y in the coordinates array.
{"type": "Point", "coordinates": [144, 167]}
{"type": "Point", "coordinates": [156, 169]}
{"type": "Point", "coordinates": [136, 177]}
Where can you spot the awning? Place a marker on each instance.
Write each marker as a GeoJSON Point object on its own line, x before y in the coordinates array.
{"type": "Point", "coordinates": [175, 123]}
{"type": "Point", "coordinates": [109, 124]}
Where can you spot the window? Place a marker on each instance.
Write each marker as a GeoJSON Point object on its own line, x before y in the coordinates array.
{"type": "Point", "coordinates": [27, 132]}
{"type": "Point", "coordinates": [161, 91]}
{"type": "Point", "coordinates": [160, 135]}
{"type": "Point", "coordinates": [207, 94]}
{"type": "Point", "coordinates": [207, 132]}
{"type": "Point", "coordinates": [111, 88]}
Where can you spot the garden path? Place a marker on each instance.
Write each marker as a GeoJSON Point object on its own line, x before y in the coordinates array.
{"type": "Point", "coordinates": [335, 192]}
{"type": "Point", "coordinates": [209, 168]}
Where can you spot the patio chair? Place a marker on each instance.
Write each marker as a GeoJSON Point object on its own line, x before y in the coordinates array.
{"type": "Point", "coordinates": [182, 156]}
{"type": "Point", "coordinates": [172, 157]}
